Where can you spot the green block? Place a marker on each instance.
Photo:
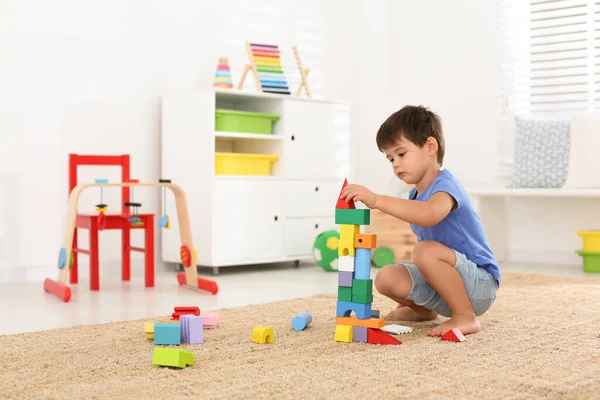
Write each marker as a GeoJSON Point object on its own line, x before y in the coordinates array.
{"type": "Point", "coordinates": [172, 357]}
{"type": "Point", "coordinates": [352, 216]}
{"type": "Point", "coordinates": [362, 286]}
{"type": "Point", "coordinates": [362, 298]}
{"type": "Point", "coordinates": [344, 293]}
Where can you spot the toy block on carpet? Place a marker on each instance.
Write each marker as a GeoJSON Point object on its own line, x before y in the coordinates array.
{"type": "Point", "coordinates": [171, 357]}
{"type": "Point", "coordinates": [377, 336]}
{"type": "Point", "coordinates": [263, 334]}
{"type": "Point", "coordinates": [397, 329]}
{"type": "Point", "coordinates": [346, 264]}
{"type": "Point", "coordinates": [362, 264]}
{"type": "Point", "coordinates": [343, 333]}
{"type": "Point", "coordinates": [192, 329]}
{"type": "Point", "coordinates": [454, 335]}
{"type": "Point", "coordinates": [365, 241]}
{"type": "Point", "coordinates": [301, 321]}
{"type": "Point", "coordinates": [345, 277]}
{"type": "Point", "coordinates": [345, 308]}
{"type": "Point", "coordinates": [149, 330]}
{"type": "Point", "coordinates": [346, 243]}
{"type": "Point", "coordinates": [179, 311]}
{"type": "Point", "coordinates": [211, 320]}
{"type": "Point", "coordinates": [359, 334]}
{"type": "Point", "coordinates": [344, 293]}
{"type": "Point", "coordinates": [166, 333]}
{"type": "Point", "coordinates": [375, 314]}
{"type": "Point", "coordinates": [368, 323]}
{"type": "Point", "coordinates": [341, 203]}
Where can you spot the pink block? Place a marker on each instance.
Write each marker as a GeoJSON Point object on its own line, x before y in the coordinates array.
{"type": "Point", "coordinates": [211, 320]}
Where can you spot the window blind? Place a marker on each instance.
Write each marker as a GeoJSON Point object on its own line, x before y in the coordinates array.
{"type": "Point", "coordinates": [550, 62]}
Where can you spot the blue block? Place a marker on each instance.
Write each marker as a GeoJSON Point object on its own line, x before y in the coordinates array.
{"type": "Point", "coordinates": [362, 264]}
{"type": "Point", "coordinates": [167, 333]}
{"type": "Point", "coordinates": [344, 308]}
{"type": "Point", "coordinates": [301, 321]}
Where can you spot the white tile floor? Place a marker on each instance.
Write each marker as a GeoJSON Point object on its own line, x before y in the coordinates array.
{"type": "Point", "coordinates": [25, 307]}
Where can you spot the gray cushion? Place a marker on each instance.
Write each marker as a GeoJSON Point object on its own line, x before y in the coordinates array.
{"type": "Point", "coordinates": [541, 153]}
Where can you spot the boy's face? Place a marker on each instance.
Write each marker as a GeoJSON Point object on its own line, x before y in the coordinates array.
{"type": "Point", "coordinates": [409, 161]}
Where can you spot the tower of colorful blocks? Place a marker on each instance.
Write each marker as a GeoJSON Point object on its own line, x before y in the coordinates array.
{"type": "Point", "coordinates": [222, 77]}
{"type": "Point", "coordinates": [355, 286]}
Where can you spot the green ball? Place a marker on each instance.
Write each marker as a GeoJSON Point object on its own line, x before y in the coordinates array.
{"type": "Point", "coordinates": [383, 256]}
{"type": "Point", "coordinates": [325, 250]}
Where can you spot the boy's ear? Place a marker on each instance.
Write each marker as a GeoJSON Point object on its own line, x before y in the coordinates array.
{"type": "Point", "coordinates": [432, 145]}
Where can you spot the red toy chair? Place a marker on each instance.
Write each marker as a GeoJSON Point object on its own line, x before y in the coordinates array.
{"type": "Point", "coordinates": [112, 221]}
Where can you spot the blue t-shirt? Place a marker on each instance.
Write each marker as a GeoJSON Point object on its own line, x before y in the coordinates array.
{"type": "Point", "coordinates": [462, 229]}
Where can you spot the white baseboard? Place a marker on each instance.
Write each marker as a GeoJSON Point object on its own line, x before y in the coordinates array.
{"type": "Point", "coordinates": [546, 256]}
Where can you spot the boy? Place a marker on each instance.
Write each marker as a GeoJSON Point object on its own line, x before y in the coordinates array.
{"type": "Point", "coordinates": [454, 272]}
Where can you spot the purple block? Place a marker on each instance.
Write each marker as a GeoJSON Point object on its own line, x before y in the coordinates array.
{"type": "Point", "coordinates": [359, 334]}
{"type": "Point", "coordinates": [345, 278]}
{"type": "Point", "coordinates": [195, 329]}
{"type": "Point", "coordinates": [185, 333]}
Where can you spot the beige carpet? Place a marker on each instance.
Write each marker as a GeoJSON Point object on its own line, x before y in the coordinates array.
{"type": "Point", "coordinates": [541, 339]}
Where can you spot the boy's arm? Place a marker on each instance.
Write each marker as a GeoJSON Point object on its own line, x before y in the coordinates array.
{"type": "Point", "coordinates": [417, 212]}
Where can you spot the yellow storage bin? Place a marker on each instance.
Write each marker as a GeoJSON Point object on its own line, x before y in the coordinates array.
{"type": "Point", "coordinates": [591, 240]}
{"type": "Point", "coordinates": [244, 164]}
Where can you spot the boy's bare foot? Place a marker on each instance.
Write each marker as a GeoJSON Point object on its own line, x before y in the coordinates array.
{"type": "Point", "coordinates": [466, 325]}
{"type": "Point", "coordinates": [405, 313]}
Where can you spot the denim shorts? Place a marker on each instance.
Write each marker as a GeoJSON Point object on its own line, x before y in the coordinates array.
{"type": "Point", "coordinates": [481, 287]}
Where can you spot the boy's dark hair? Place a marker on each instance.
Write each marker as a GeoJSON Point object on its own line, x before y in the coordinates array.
{"type": "Point", "coordinates": [415, 123]}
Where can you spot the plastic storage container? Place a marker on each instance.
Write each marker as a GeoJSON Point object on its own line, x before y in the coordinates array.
{"type": "Point", "coordinates": [244, 121]}
{"type": "Point", "coordinates": [591, 260]}
{"type": "Point", "coordinates": [244, 164]}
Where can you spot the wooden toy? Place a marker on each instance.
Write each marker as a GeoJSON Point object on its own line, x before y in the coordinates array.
{"type": "Point", "coordinates": [301, 321]}
{"type": "Point", "coordinates": [222, 77]}
{"type": "Point", "coordinates": [349, 216]}
{"type": "Point", "coordinates": [397, 329]}
{"type": "Point", "coordinates": [344, 293]}
{"type": "Point", "coordinates": [266, 67]}
{"type": "Point", "coordinates": [377, 336]}
{"type": "Point", "coordinates": [74, 221]}
{"type": "Point", "coordinates": [263, 334]}
{"type": "Point", "coordinates": [345, 308]}
{"type": "Point", "coordinates": [303, 74]}
{"type": "Point", "coordinates": [454, 335]}
{"type": "Point", "coordinates": [343, 333]}
{"type": "Point", "coordinates": [365, 241]}
{"type": "Point", "coordinates": [341, 203]}
{"type": "Point", "coordinates": [165, 333]}
{"type": "Point", "coordinates": [355, 274]}
{"type": "Point", "coordinates": [362, 264]}
{"type": "Point", "coordinates": [369, 323]}
{"type": "Point", "coordinates": [346, 243]}
{"type": "Point", "coordinates": [172, 357]}
{"type": "Point", "coordinates": [359, 334]}
{"type": "Point", "coordinates": [345, 277]}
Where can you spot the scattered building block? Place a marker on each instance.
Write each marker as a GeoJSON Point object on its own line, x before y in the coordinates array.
{"type": "Point", "coordinates": [167, 333]}
{"type": "Point", "coordinates": [365, 241]}
{"type": "Point", "coordinates": [341, 203]}
{"type": "Point", "coordinates": [179, 311]}
{"type": "Point", "coordinates": [368, 323]}
{"type": "Point", "coordinates": [344, 293]}
{"type": "Point", "coordinates": [211, 320]}
{"type": "Point", "coordinates": [375, 314]}
{"type": "Point", "coordinates": [345, 277]}
{"type": "Point", "coordinates": [454, 335]}
{"type": "Point", "coordinates": [149, 330]}
{"type": "Point", "coordinates": [359, 216]}
{"type": "Point", "coordinates": [362, 264]}
{"type": "Point", "coordinates": [301, 321]}
{"type": "Point", "coordinates": [346, 263]}
{"type": "Point", "coordinates": [397, 329]}
{"type": "Point", "coordinates": [377, 336]}
{"type": "Point", "coordinates": [346, 243]}
{"type": "Point", "coordinates": [359, 334]}
{"type": "Point", "coordinates": [263, 334]}
{"type": "Point", "coordinates": [343, 333]}
{"type": "Point", "coordinates": [172, 357]}
{"type": "Point", "coordinates": [345, 308]}
{"type": "Point", "coordinates": [195, 328]}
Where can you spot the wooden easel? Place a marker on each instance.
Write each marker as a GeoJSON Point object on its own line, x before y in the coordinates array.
{"type": "Point", "coordinates": [303, 75]}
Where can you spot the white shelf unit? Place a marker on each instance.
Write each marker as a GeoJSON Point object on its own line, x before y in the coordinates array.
{"type": "Point", "coordinates": [245, 220]}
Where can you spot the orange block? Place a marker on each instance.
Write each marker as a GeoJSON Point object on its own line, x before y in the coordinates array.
{"type": "Point", "coordinates": [367, 323]}
{"type": "Point", "coordinates": [365, 241]}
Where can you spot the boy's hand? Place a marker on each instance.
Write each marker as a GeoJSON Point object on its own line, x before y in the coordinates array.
{"type": "Point", "coordinates": [359, 193]}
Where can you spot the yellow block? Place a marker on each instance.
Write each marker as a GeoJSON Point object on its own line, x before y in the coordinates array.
{"type": "Point", "coordinates": [343, 333]}
{"type": "Point", "coordinates": [346, 244]}
{"type": "Point", "coordinates": [149, 330]}
{"type": "Point", "coordinates": [263, 334]}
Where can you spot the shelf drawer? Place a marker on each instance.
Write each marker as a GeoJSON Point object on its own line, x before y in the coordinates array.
{"type": "Point", "coordinates": [300, 234]}
{"type": "Point", "coordinates": [311, 198]}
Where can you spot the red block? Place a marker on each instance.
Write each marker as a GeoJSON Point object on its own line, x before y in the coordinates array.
{"type": "Point", "coordinates": [454, 335]}
{"type": "Point", "coordinates": [377, 336]}
{"type": "Point", "coordinates": [341, 203]}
